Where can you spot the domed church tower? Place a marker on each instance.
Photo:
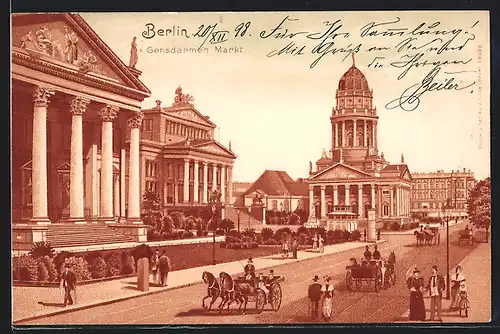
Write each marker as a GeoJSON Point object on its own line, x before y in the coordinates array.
{"type": "Point", "coordinates": [354, 122]}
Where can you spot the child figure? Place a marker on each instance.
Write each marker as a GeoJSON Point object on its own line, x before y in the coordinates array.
{"type": "Point", "coordinates": [463, 304]}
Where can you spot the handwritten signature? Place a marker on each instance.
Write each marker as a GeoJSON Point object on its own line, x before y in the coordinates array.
{"type": "Point", "coordinates": [410, 98]}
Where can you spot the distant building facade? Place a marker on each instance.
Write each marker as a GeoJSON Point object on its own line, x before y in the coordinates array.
{"type": "Point", "coordinates": [180, 159]}
{"type": "Point", "coordinates": [431, 191]}
{"type": "Point", "coordinates": [354, 174]}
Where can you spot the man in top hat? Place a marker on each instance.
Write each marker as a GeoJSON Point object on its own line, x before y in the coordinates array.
{"type": "Point", "coordinates": [68, 284]}
{"type": "Point", "coordinates": [376, 253]}
{"type": "Point", "coordinates": [314, 295]}
{"type": "Point", "coordinates": [436, 287]}
{"type": "Point", "coordinates": [367, 254]}
{"type": "Point", "coordinates": [249, 269]}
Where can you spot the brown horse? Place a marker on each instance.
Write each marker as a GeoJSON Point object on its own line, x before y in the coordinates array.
{"type": "Point", "coordinates": [423, 238]}
{"type": "Point", "coordinates": [230, 292]}
{"type": "Point", "coordinates": [213, 290]}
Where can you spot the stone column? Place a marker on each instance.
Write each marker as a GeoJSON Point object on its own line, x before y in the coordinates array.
{"type": "Point", "coordinates": [185, 195]}
{"type": "Point", "coordinates": [230, 185]}
{"type": "Point", "coordinates": [347, 195]}
{"type": "Point", "coordinates": [354, 133]}
{"type": "Point", "coordinates": [392, 202]}
{"type": "Point", "coordinates": [39, 159]}
{"type": "Point", "coordinates": [360, 200]}
{"type": "Point", "coordinates": [223, 184]}
{"type": "Point", "coordinates": [214, 177]}
{"type": "Point", "coordinates": [398, 201]}
{"type": "Point", "coordinates": [311, 201]}
{"type": "Point", "coordinates": [134, 192]}
{"type": "Point", "coordinates": [323, 201]}
{"type": "Point", "coordinates": [108, 114]}
{"type": "Point", "coordinates": [122, 182]}
{"type": "Point", "coordinates": [205, 182]}
{"type": "Point", "coordinates": [365, 139]}
{"type": "Point", "coordinates": [335, 195]}
{"type": "Point", "coordinates": [117, 196]}
{"type": "Point", "coordinates": [336, 134]}
{"type": "Point", "coordinates": [373, 196]}
{"type": "Point", "coordinates": [343, 134]}
{"type": "Point", "coordinates": [78, 106]}
{"type": "Point", "coordinates": [374, 129]}
{"type": "Point", "coordinates": [196, 186]}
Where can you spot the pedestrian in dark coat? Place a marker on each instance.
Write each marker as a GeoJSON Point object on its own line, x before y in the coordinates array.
{"type": "Point", "coordinates": [314, 295]}
{"type": "Point", "coordinates": [295, 246]}
{"type": "Point", "coordinates": [417, 305]}
{"type": "Point", "coordinates": [164, 268]}
{"type": "Point", "coordinates": [436, 287]}
{"type": "Point", "coordinates": [68, 284]}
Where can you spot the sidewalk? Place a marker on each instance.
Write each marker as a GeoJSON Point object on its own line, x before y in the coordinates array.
{"type": "Point", "coordinates": [36, 302]}
{"type": "Point", "coordinates": [477, 272]}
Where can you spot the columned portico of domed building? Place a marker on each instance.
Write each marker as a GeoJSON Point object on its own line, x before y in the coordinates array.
{"type": "Point", "coordinates": [354, 175]}
{"type": "Point", "coordinates": [75, 123]}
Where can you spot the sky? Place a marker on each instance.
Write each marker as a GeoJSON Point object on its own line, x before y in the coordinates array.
{"type": "Point", "coordinates": [274, 106]}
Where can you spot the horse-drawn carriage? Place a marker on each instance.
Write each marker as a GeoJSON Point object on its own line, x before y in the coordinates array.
{"type": "Point", "coordinates": [242, 290]}
{"type": "Point", "coordinates": [379, 272]}
{"type": "Point", "coordinates": [466, 236]}
{"type": "Point", "coordinates": [428, 236]}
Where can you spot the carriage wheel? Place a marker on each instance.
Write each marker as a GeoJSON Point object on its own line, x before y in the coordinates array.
{"type": "Point", "coordinates": [275, 296]}
{"type": "Point", "coordinates": [348, 281]}
{"type": "Point", "coordinates": [260, 301]}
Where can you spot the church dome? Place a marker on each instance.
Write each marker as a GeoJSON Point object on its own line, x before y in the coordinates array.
{"type": "Point", "coordinates": [354, 79]}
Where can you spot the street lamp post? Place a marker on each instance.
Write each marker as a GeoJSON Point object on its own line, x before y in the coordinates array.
{"type": "Point", "coordinates": [239, 211]}
{"type": "Point", "coordinates": [215, 207]}
{"type": "Point", "coordinates": [446, 215]}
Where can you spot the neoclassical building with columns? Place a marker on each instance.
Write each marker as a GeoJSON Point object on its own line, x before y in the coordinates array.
{"type": "Point", "coordinates": [76, 118]}
{"type": "Point", "coordinates": [180, 159]}
{"type": "Point", "coordinates": [353, 176]}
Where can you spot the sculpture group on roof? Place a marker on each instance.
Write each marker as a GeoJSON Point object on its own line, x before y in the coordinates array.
{"type": "Point", "coordinates": [181, 98]}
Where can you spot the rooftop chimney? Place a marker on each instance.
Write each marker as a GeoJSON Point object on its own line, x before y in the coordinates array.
{"type": "Point", "coordinates": [464, 170]}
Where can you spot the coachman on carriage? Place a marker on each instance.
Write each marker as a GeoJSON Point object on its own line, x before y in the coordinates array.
{"type": "Point", "coordinates": [377, 271]}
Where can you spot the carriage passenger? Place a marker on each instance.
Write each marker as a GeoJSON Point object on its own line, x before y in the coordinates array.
{"type": "Point", "coordinates": [376, 254]}
{"type": "Point", "coordinates": [270, 277]}
{"type": "Point", "coordinates": [367, 254]}
{"type": "Point", "coordinates": [263, 285]}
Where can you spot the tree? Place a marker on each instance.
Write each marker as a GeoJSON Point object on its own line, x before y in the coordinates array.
{"type": "Point", "coordinates": [479, 205]}
{"type": "Point", "coordinates": [151, 206]}
{"type": "Point", "coordinates": [226, 225]}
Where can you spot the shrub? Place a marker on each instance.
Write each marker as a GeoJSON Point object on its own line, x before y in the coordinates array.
{"type": "Point", "coordinates": [395, 226]}
{"type": "Point", "coordinates": [258, 239]}
{"type": "Point", "coordinates": [253, 244]}
{"type": "Point", "coordinates": [229, 246]}
{"type": "Point", "coordinates": [219, 232]}
{"type": "Point", "coordinates": [51, 268]}
{"type": "Point", "coordinates": [337, 235]}
{"type": "Point", "coordinates": [346, 236]}
{"type": "Point", "coordinates": [141, 251]}
{"type": "Point", "coordinates": [279, 232]}
{"type": "Point", "coordinates": [80, 267]}
{"type": "Point", "coordinates": [245, 239]}
{"type": "Point", "coordinates": [231, 239]}
{"type": "Point", "coordinates": [302, 229]}
{"type": "Point", "coordinates": [128, 263]}
{"type": "Point", "coordinates": [168, 224]}
{"type": "Point", "coordinates": [266, 233]}
{"type": "Point", "coordinates": [60, 258]}
{"type": "Point", "coordinates": [25, 268]}
{"type": "Point", "coordinates": [43, 273]}
{"type": "Point", "coordinates": [249, 232]}
{"type": "Point", "coordinates": [244, 245]}
{"type": "Point", "coordinates": [236, 246]}
{"type": "Point", "coordinates": [98, 267]}
{"type": "Point", "coordinates": [223, 244]}
{"type": "Point", "coordinates": [303, 239]}
{"type": "Point", "coordinates": [294, 219]}
{"type": "Point", "coordinates": [178, 219]}
{"type": "Point", "coordinates": [113, 264]}
{"type": "Point", "coordinates": [271, 242]}
{"type": "Point", "coordinates": [234, 233]}
{"type": "Point", "coordinates": [355, 235]}
{"type": "Point", "coordinates": [41, 249]}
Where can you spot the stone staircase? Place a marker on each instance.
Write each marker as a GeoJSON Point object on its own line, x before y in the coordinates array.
{"type": "Point", "coordinates": [71, 235]}
{"type": "Point", "coordinates": [232, 213]}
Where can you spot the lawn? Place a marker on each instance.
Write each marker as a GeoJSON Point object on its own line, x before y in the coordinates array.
{"type": "Point", "coordinates": [197, 255]}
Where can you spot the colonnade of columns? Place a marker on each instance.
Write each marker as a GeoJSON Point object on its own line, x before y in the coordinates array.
{"type": "Point", "coordinates": [400, 200]}
{"type": "Point", "coordinates": [108, 203]}
{"type": "Point", "coordinates": [225, 186]}
{"type": "Point", "coordinates": [339, 127]}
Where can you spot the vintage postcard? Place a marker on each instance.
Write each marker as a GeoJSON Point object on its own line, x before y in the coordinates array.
{"type": "Point", "coordinates": [251, 168]}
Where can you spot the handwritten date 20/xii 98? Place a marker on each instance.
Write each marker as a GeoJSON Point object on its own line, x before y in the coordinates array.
{"type": "Point", "coordinates": [211, 34]}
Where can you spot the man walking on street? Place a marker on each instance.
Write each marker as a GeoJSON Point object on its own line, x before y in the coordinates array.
{"type": "Point", "coordinates": [295, 246]}
{"type": "Point", "coordinates": [436, 287]}
{"type": "Point", "coordinates": [314, 296]}
{"type": "Point", "coordinates": [164, 268]}
{"type": "Point", "coordinates": [68, 283]}
{"type": "Point", "coordinates": [154, 266]}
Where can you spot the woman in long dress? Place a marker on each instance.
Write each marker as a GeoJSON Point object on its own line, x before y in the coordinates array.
{"type": "Point", "coordinates": [320, 244]}
{"type": "Point", "coordinates": [327, 290]}
{"type": "Point", "coordinates": [456, 279]}
{"type": "Point", "coordinates": [417, 305]}
{"type": "Point", "coordinates": [315, 241]}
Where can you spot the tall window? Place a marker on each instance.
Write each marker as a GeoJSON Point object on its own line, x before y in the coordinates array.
{"type": "Point", "coordinates": [286, 205]}
{"type": "Point", "coordinates": [385, 208]}
{"type": "Point", "coordinates": [274, 205]}
{"type": "Point", "coordinates": [148, 124]}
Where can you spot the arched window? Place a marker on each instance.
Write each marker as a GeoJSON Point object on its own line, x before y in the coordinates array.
{"type": "Point", "coordinates": [349, 139]}
{"type": "Point", "coordinates": [286, 205]}
{"type": "Point", "coordinates": [329, 207]}
{"type": "Point", "coordinates": [274, 205]}
{"type": "Point", "coordinates": [354, 207]}
{"type": "Point", "coordinates": [385, 209]}
{"type": "Point", "coordinates": [360, 139]}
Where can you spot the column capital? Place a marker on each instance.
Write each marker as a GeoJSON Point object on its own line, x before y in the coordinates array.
{"type": "Point", "coordinates": [186, 160]}
{"type": "Point", "coordinates": [311, 187]}
{"type": "Point", "coordinates": [204, 163]}
{"type": "Point", "coordinates": [78, 105]}
{"type": "Point", "coordinates": [323, 186]}
{"type": "Point", "coordinates": [135, 121]}
{"type": "Point", "coordinates": [335, 186]}
{"type": "Point", "coordinates": [196, 162]}
{"type": "Point", "coordinates": [108, 113]}
{"type": "Point", "coordinates": [41, 96]}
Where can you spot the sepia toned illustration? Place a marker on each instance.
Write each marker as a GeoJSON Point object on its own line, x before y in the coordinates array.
{"type": "Point", "coordinates": [250, 168]}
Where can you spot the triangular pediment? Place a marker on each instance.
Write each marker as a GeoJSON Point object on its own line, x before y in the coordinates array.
{"type": "Point", "coordinates": [67, 40]}
{"type": "Point", "coordinates": [406, 175]}
{"type": "Point", "coordinates": [215, 148]}
{"type": "Point", "coordinates": [189, 113]}
{"type": "Point", "coordinates": [64, 167]}
{"type": "Point", "coordinates": [340, 171]}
